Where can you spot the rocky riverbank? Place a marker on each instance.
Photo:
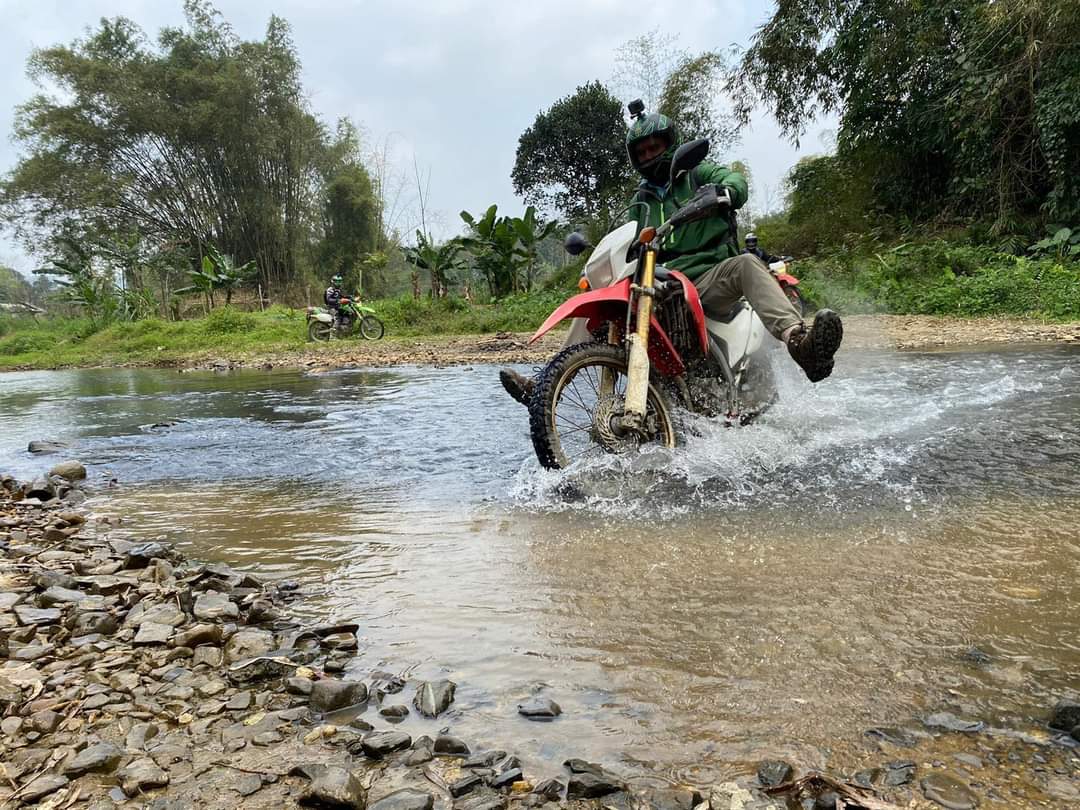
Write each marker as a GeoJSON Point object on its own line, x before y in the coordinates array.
{"type": "Point", "coordinates": [134, 677]}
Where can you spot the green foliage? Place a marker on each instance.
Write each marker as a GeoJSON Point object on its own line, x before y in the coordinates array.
{"type": "Point", "coordinates": [441, 261]}
{"type": "Point", "coordinates": [451, 316]}
{"type": "Point", "coordinates": [195, 138]}
{"type": "Point", "coordinates": [572, 160]}
{"type": "Point", "coordinates": [943, 278]}
{"type": "Point", "coordinates": [506, 250]}
{"type": "Point", "coordinates": [1061, 243]}
{"type": "Point", "coordinates": [963, 109]}
{"type": "Point", "coordinates": [691, 96]}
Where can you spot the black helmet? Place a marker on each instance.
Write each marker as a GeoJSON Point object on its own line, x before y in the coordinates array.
{"type": "Point", "coordinates": [657, 170]}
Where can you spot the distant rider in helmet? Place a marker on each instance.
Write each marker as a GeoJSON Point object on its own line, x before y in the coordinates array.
{"type": "Point", "coordinates": [707, 252]}
{"type": "Point", "coordinates": [332, 297]}
{"type": "Point", "coordinates": [753, 249]}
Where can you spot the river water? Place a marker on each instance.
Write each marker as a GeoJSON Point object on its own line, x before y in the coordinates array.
{"type": "Point", "coordinates": [899, 540]}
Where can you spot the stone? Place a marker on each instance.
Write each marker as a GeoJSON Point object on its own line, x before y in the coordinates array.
{"type": "Point", "coordinates": [539, 709]}
{"type": "Point", "coordinates": [248, 643]}
{"type": "Point", "coordinates": [60, 596]}
{"type": "Point", "coordinates": [396, 713]}
{"type": "Point", "coordinates": [506, 778]}
{"type": "Point", "coordinates": [299, 686]}
{"type": "Point", "coordinates": [100, 758]}
{"type": "Point", "coordinates": [950, 722]}
{"type": "Point", "coordinates": [36, 616]}
{"type": "Point", "coordinates": [32, 652]}
{"type": "Point", "coordinates": [591, 786]}
{"type": "Point", "coordinates": [44, 722]}
{"type": "Point", "coordinates": [153, 633]}
{"type": "Point", "coordinates": [899, 773]}
{"type": "Point", "coordinates": [164, 613]}
{"type": "Point", "coordinates": [445, 745]}
{"type": "Point", "coordinates": [901, 737]}
{"type": "Point", "coordinates": [239, 702]}
{"type": "Point", "coordinates": [581, 766]}
{"type": "Point", "coordinates": [1066, 715]}
{"type": "Point", "coordinates": [773, 772]}
{"type": "Point", "coordinates": [69, 470]}
{"type": "Point", "coordinates": [329, 694]}
{"type": "Point", "coordinates": [87, 624]}
{"type": "Point", "coordinates": [407, 799]}
{"type": "Point", "coordinates": [107, 584]}
{"type": "Point", "coordinates": [42, 787]}
{"type": "Point", "coordinates": [44, 447]}
{"type": "Point", "coordinates": [125, 681]}
{"type": "Point", "coordinates": [141, 775]}
{"type": "Point", "coordinates": [465, 784]}
{"type": "Point", "coordinates": [380, 744]}
{"type": "Point", "coordinates": [550, 789]}
{"type": "Point", "coordinates": [141, 555]}
{"type": "Point", "coordinates": [139, 735]}
{"type": "Point", "coordinates": [673, 799]}
{"type": "Point", "coordinates": [333, 787]}
{"type": "Point", "coordinates": [434, 697]}
{"type": "Point", "coordinates": [484, 799]}
{"type": "Point", "coordinates": [213, 606]}
{"type": "Point", "coordinates": [948, 791]}
{"type": "Point", "coordinates": [10, 726]}
{"type": "Point", "coordinates": [211, 656]}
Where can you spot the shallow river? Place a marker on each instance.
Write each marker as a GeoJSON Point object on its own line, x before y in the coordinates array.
{"type": "Point", "coordinates": [771, 590]}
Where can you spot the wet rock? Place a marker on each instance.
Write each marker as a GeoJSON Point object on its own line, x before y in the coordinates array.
{"type": "Point", "coordinates": [328, 694]}
{"type": "Point", "coordinates": [260, 668]}
{"type": "Point", "coordinates": [107, 584]}
{"type": "Point", "coordinates": [434, 697]}
{"type": "Point", "coordinates": [484, 760]}
{"type": "Point", "coordinates": [582, 766]}
{"type": "Point", "coordinates": [42, 787]}
{"type": "Point", "coordinates": [214, 606]}
{"type": "Point", "coordinates": [394, 714]}
{"type": "Point", "coordinates": [70, 470]}
{"type": "Point", "coordinates": [591, 786]}
{"type": "Point", "coordinates": [248, 643]}
{"type": "Point", "coordinates": [379, 745]}
{"type": "Point", "coordinates": [44, 447]}
{"type": "Point", "coordinates": [153, 633]}
{"type": "Point", "coordinates": [299, 686]}
{"type": "Point", "coordinates": [899, 773]}
{"type": "Point", "coordinates": [407, 799]}
{"type": "Point", "coordinates": [901, 737]}
{"type": "Point", "coordinates": [1066, 716]}
{"type": "Point", "coordinates": [27, 615]}
{"type": "Point", "coordinates": [949, 792]}
{"type": "Point", "coordinates": [100, 758]}
{"type": "Point", "coordinates": [248, 784]}
{"type": "Point", "coordinates": [333, 787]}
{"type": "Point", "coordinates": [60, 596]}
{"type": "Point", "coordinates": [141, 555]}
{"type": "Point", "coordinates": [266, 738]}
{"type": "Point", "coordinates": [445, 745]}
{"type": "Point", "coordinates": [40, 489]}
{"type": "Point", "coordinates": [550, 789]}
{"type": "Point", "coordinates": [142, 775]}
{"type": "Point", "coordinates": [970, 760]}
{"type": "Point", "coordinates": [772, 772]}
{"type": "Point", "coordinates": [165, 613]}
{"type": "Point", "coordinates": [540, 708]}
{"type": "Point", "coordinates": [197, 635]}
{"type": "Point", "coordinates": [239, 702]}
{"type": "Point", "coordinates": [483, 799]}
{"type": "Point", "coordinates": [950, 722]}
{"type": "Point", "coordinates": [465, 784]}
{"type": "Point", "coordinates": [262, 611]}
{"type": "Point", "coordinates": [506, 778]}
{"type": "Point", "coordinates": [673, 799]}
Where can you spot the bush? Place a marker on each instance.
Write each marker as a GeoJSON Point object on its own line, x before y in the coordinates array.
{"type": "Point", "coordinates": [228, 321]}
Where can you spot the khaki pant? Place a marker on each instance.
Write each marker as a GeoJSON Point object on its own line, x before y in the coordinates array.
{"type": "Point", "coordinates": [720, 288]}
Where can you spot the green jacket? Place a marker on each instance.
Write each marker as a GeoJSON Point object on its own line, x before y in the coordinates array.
{"type": "Point", "coordinates": [697, 246]}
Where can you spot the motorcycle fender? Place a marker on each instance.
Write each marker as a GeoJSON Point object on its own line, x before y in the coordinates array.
{"type": "Point", "coordinates": [607, 303]}
{"type": "Point", "coordinates": [784, 278]}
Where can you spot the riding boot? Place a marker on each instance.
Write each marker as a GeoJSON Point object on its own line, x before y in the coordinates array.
{"type": "Point", "coordinates": [813, 347]}
{"type": "Point", "coordinates": [517, 385]}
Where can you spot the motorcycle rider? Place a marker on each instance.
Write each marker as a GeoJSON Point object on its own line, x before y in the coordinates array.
{"type": "Point", "coordinates": [332, 298]}
{"type": "Point", "coordinates": [707, 252]}
{"type": "Point", "coordinates": [752, 248]}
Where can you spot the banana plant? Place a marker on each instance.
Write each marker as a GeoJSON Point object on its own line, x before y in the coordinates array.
{"type": "Point", "coordinates": [530, 233]}
{"type": "Point", "coordinates": [438, 260]}
{"type": "Point", "coordinates": [492, 243]}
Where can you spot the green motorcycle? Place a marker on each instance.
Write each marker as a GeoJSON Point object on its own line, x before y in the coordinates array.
{"type": "Point", "coordinates": [354, 316]}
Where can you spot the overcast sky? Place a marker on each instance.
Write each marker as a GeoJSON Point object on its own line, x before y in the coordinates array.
{"type": "Point", "coordinates": [453, 81]}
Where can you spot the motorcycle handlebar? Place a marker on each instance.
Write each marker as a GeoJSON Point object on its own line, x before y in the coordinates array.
{"type": "Point", "coordinates": [707, 201]}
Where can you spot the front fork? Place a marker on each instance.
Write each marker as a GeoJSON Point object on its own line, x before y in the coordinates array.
{"type": "Point", "coordinates": [637, 372]}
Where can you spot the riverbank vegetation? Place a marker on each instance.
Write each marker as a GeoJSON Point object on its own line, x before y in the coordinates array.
{"type": "Point", "coordinates": [182, 196]}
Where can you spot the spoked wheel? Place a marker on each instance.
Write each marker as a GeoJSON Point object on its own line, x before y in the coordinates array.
{"type": "Point", "coordinates": [317, 330]}
{"type": "Point", "coordinates": [371, 327]}
{"type": "Point", "coordinates": [796, 299]}
{"type": "Point", "coordinates": [578, 401]}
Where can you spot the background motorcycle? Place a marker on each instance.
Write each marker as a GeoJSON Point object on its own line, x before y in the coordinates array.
{"type": "Point", "coordinates": [322, 325]}
{"type": "Point", "coordinates": [788, 283]}
{"type": "Point", "coordinates": [657, 346]}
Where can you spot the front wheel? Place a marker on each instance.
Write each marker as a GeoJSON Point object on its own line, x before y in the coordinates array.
{"type": "Point", "coordinates": [318, 330]}
{"type": "Point", "coordinates": [371, 327]}
{"type": "Point", "coordinates": [577, 403]}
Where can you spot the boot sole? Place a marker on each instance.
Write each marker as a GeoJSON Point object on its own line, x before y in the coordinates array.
{"type": "Point", "coordinates": [827, 334]}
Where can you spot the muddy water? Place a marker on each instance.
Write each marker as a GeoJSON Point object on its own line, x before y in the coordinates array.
{"type": "Point", "coordinates": [898, 541]}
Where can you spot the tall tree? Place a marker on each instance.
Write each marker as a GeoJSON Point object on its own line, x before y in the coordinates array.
{"type": "Point", "coordinates": [572, 160]}
{"type": "Point", "coordinates": [692, 95]}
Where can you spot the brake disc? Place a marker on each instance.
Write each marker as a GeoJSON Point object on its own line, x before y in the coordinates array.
{"type": "Point", "coordinates": [608, 414]}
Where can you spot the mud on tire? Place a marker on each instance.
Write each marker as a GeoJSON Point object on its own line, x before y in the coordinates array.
{"type": "Point", "coordinates": [551, 384]}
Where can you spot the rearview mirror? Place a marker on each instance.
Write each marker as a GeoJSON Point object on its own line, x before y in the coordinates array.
{"type": "Point", "coordinates": [688, 156]}
{"type": "Point", "coordinates": [575, 244]}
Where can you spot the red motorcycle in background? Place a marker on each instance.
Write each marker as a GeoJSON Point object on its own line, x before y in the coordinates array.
{"type": "Point", "coordinates": [788, 283]}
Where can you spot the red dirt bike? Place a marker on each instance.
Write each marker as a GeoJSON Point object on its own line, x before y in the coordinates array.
{"type": "Point", "coordinates": [788, 283]}
{"type": "Point", "coordinates": [646, 343]}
